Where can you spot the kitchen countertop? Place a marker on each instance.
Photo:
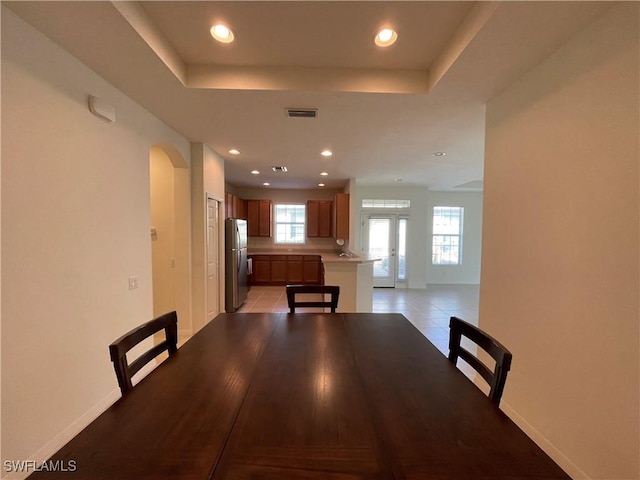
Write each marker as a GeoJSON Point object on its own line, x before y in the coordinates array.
{"type": "Point", "coordinates": [328, 256]}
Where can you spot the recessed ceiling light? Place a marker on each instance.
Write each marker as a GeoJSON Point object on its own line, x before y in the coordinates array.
{"type": "Point", "coordinates": [326, 153]}
{"type": "Point", "coordinates": [439, 154]}
{"type": "Point", "coordinates": [397, 179]}
{"type": "Point", "coordinates": [266, 184]}
{"type": "Point", "coordinates": [222, 33]}
{"type": "Point", "coordinates": [386, 37]}
{"type": "Point", "coordinates": [233, 151]}
{"type": "Point", "coordinates": [324, 174]}
{"type": "Point", "coordinates": [255, 172]}
{"type": "Point", "coordinates": [321, 184]}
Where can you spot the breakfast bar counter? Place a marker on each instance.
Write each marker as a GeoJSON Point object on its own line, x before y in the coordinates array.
{"type": "Point", "coordinates": [352, 272]}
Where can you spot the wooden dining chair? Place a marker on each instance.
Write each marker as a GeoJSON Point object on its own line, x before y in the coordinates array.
{"type": "Point", "coordinates": [119, 348]}
{"type": "Point", "coordinates": [497, 377]}
{"type": "Point", "coordinates": [294, 290]}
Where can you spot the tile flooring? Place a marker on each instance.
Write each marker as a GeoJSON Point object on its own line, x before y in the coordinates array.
{"type": "Point", "coordinates": [429, 310]}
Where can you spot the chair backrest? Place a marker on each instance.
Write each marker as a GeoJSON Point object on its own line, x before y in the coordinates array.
{"type": "Point", "coordinates": [293, 290]}
{"type": "Point", "coordinates": [497, 377]}
{"type": "Point", "coordinates": [119, 348]}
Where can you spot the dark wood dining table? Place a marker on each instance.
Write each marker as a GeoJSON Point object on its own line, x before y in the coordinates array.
{"type": "Point", "coordinates": [305, 396]}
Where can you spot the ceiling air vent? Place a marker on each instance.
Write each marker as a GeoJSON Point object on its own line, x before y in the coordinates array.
{"type": "Point", "coordinates": [279, 169]}
{"type": "Point", "coordinates": [301, 112]}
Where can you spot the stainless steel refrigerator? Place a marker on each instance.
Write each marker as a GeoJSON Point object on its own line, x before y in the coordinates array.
{"type": "Point", "coordinates": [236, 281]}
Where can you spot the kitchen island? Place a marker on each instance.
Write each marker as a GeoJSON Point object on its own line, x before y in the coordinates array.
{"type": "Point", "coordinates": [354, 275]}
{"type": "Point", "coordinates": [352, 272]}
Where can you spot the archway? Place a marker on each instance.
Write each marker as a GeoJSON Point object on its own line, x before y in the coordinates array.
{"type": "Point", "coordinates": [170, 233]}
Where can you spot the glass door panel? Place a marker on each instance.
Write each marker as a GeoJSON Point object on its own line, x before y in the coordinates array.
{"type": "Point", "coordinates": [380, 240]}
{"type": "Point", "coordinates": [401, 272]}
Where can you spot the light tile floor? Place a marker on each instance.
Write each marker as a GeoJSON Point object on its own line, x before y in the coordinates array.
{"type": "Point", "coordinates": [429, 309]}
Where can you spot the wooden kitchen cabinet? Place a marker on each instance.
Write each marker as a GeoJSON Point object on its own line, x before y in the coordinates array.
{"type": "Point", "coordinates": [259, 218]}
{"type": "Point", "coordinates": [340, 226]}
{"type": "Point", "coordinates": [278, 269]}
{"type": "Point", "coordinates": [295, 269]}
{"type": "Point", "coordinates": [319, 218]}
{"type": "Point", "coordinates": [253, 218]}
{"type": "Point", "coordinates": [239, 208]}
{"type": "Point", "coordinates": [286, 269]}
{"type": "Point", "coordinates": [264, 228]}
{"type": "Point", "coordinates": [261, 269]}
{"type": "Point", "coordinates": [228, 205]}
{"type": "Point", "coordinates": [235, 207]}
{"type": "Point", "coordinates": [312, 270]}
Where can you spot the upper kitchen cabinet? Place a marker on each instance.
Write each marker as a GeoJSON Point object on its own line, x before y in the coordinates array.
{"type": "Point", "coordinates": [240, 207]}
{"type": "Point", "coordinates": [319, 218]}
{"type": "Point", "coordinates": [340, 225]}
{"type": "Point", "coordinates": [228, 205]}
{"type": "Point", "coordinates": [259, 218]}
{"type": "Point", "coordinates": [236, 207]}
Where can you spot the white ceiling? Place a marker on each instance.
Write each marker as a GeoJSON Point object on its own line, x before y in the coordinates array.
{"type": "Point", "coordinates": [383, 112]}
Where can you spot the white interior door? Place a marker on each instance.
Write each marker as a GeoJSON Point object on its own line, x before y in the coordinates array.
{"type": "Point", "coordinates": [213, 260]}
{"type": "Point", "coordinates": [379, 240]}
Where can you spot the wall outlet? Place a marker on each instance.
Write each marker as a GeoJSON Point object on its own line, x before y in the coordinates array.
{"type": "Point", "coordinates": [133, 283]}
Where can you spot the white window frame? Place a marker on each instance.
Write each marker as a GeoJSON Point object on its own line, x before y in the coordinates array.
{"type": "Point", "coordinates": [386, 204]}
{"type": "Point", "coordinates": [443, 239]}
{"type": "Point", "coordinates": [277, 224]}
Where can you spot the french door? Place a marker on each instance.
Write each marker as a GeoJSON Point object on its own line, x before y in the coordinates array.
{"type": "Point", "coordinates": [384, 236]}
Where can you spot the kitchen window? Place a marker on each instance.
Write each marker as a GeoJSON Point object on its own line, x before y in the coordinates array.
{"type": "Point", "coordinates": [447, 236]}
{"type": "Point", "coordinates": [289, 224]}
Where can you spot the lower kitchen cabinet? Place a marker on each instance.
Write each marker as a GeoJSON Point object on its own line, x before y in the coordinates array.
{"type": "Point", "coordinates": [261, 270]}
{"type": "Point", "coordinates": [286, 269]}
{"type": "Point", "coordinates": [312, 270]}
{"type": "Point", "coordinates": [294, 269]}
{"type": "Point", "coordinates": [278, 269]}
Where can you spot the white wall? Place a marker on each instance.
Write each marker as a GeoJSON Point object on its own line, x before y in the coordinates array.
{"type": "Point", "coordinates": [420, 272]}
{"type": "Point", "coordinates": [469, 271]}
{"type": "Point", "coordinates": [75, 227]}
{"type": "Point", "coordinates": [560, 247]}
{"type": "Point", "coordinates": [207, 180]}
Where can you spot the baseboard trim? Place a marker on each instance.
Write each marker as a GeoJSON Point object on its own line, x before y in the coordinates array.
{"type": "Point", "coordinates": [60, 440]}
{"type": "Point", "coordinates": [183, 336]}
{"type": "Point", "coordinates": [543, 442]}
